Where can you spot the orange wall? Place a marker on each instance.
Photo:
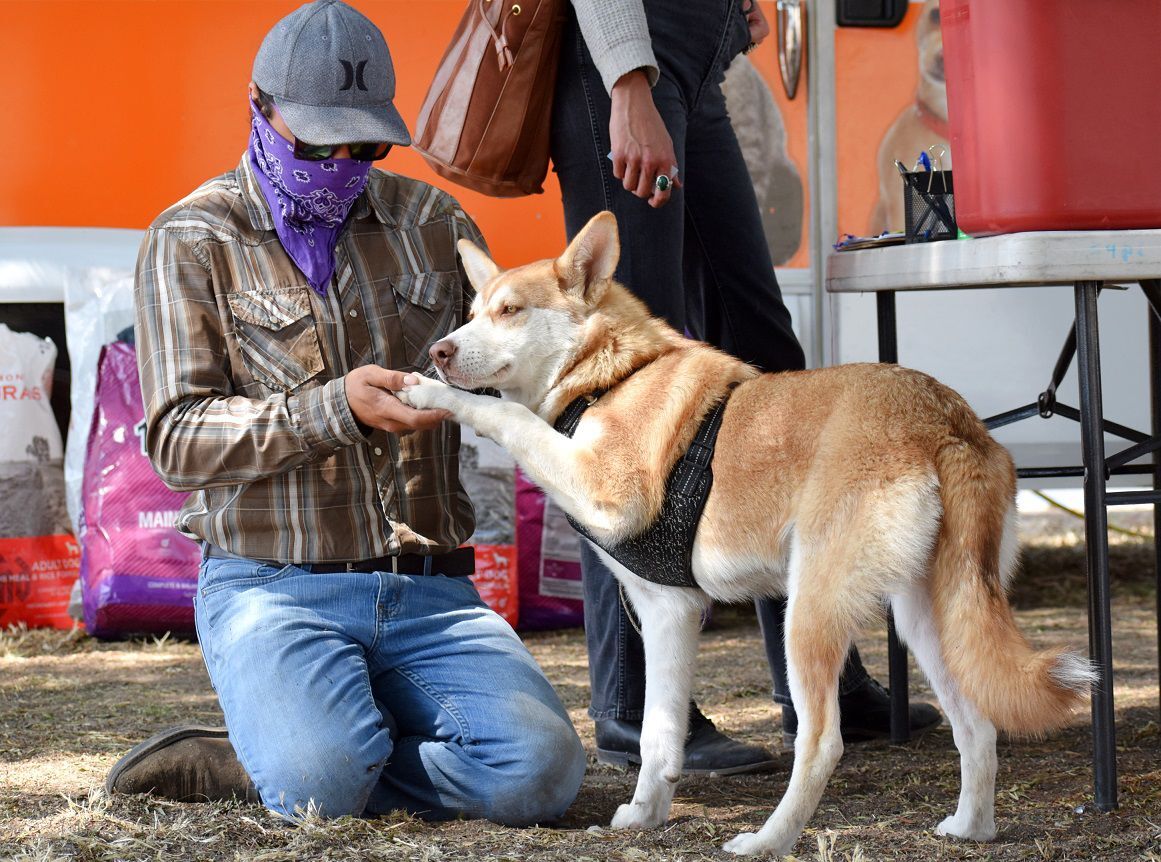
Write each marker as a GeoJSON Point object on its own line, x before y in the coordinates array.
{"type": "Point", "coordinates": [118, 108]}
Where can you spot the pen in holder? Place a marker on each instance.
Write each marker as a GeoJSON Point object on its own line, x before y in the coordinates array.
{"type": "Point", "coordinates": [928, 206]}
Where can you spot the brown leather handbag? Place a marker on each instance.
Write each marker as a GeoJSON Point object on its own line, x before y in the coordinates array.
{"type": "Point", "coordinates": [485, 121]}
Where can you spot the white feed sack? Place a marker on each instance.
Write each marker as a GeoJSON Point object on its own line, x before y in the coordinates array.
{"type": "Point", "coordinates": [32, 498]}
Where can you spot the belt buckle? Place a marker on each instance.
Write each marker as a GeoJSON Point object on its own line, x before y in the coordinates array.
{"type": "Point", "coordinates": [699, 454]}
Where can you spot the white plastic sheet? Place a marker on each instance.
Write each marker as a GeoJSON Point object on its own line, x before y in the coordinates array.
{"type": "Point", "coordinates": [90, 270]}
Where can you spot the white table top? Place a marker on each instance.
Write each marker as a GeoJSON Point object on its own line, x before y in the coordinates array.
{"type": "Point", "coordinates": [1009, 260]}
{"type": "Point", "coordinates": [38, 263]}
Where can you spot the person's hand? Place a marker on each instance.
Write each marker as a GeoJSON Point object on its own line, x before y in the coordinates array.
{"type": "Point", "coordinates": [642, 148]}
{"type": "Point", "coordinates": [371, 394]}
{"type": "Point", "coordinates": [759, 26]}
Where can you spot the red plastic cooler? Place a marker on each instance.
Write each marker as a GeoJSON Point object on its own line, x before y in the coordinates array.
{"type": "Point", "coordinates": [1054, 109]}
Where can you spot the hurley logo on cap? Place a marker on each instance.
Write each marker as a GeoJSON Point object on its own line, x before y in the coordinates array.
{"type": "Point", "coordinates": [353, 75]}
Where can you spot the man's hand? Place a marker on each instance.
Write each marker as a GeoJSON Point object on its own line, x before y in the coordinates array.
{"type": "Point", "coordinates": [371, 394]}
{"type": "Point", "coordinates": [642, 148]}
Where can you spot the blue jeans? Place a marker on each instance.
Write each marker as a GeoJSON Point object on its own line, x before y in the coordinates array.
{"type": "Point", "coordinates": [359, 694]}
{"type": "Point", "coordinates": [701, 262]}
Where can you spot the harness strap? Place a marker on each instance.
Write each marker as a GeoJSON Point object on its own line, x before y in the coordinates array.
{"type": "Point", "coordinates": [568, 420]}
{"type": "Point", "coordinates": [700, 453]}
{"type": "Point", "coordinates": [663, 553]}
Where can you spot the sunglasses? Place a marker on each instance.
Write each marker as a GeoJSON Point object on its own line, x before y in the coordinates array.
{"type": "Point", "coordinates": [363, 152]}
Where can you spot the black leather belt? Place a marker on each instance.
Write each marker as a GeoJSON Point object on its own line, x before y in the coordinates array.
{"type": "Point", "coordinates": [461, 561]}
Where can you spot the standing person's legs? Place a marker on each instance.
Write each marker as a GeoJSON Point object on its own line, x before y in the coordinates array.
{"type": "Point", "coordinates": [650, 265]}
{"type": "Point", "coordinates": [580, 144]}
{"type": "Point", "coordinates": [727, 259]}
{"type": "Point", "coordinates": [729, 271]}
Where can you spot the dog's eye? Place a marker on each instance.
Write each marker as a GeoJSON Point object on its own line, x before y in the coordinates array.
{"type": "Point", "coordinates": [510, 309]}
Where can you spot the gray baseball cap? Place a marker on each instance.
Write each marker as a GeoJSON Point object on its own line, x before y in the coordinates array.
{"type": "Point", "coordinates": [330, 73]}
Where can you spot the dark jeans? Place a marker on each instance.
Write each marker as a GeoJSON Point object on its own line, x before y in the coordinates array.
{"type": "Point", "coordinates": [701, 262]}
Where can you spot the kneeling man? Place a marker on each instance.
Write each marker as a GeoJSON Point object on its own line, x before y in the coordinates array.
{"type": "Point", "coordinates": [278, 307]}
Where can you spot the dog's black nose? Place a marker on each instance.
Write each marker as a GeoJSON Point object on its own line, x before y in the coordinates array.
{"type": "Point", "coordinates": [442, 351]}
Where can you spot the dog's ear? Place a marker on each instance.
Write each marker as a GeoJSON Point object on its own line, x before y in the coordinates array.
{"type": "Point", "coordinates": [591, 258]}
{"type": "Point", "coordinates": [480, 268]}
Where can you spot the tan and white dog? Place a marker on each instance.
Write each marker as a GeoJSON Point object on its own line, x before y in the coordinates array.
{"type": "Point", "coordinates": [844, 488]}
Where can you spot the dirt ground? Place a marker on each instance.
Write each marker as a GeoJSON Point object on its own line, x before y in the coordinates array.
{"type": "Point", "coordinates": [70, 706]}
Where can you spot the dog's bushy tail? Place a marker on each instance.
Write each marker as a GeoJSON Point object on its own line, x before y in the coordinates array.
{"type": "Point", "coordinates": [1019, 689]}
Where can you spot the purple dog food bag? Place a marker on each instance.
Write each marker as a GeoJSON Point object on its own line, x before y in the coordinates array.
{"type": "Point", "coordinates": [548, 562]}
{"type": "Point", "coordinates": [138, 573]}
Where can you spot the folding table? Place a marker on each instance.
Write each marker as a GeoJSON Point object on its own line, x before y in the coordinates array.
{"type": "Point", "coordinates": [1087, 260]}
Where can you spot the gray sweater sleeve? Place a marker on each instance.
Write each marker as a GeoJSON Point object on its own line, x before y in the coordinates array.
{"type": "Point", "coordinates": [617, 36]}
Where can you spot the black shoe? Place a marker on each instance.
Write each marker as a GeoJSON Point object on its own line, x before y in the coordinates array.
{"type": "Point", "coordinates": [865, 714]}
{"type": "Point", "coordinates": [708, 751]}
{"type": "Point", "coordinates": [187, 763]}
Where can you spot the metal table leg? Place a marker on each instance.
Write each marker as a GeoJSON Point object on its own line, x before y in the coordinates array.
{"type": "Point", "coordinates": [1097, 543]}
{"type": "Point", "coordinates": [896, 652]}
{"type": "Point", "coordinates": [1155, 401]}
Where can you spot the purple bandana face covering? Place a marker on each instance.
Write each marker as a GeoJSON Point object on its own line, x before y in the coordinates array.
{"type": "Point", "coordinates": [309, 200]}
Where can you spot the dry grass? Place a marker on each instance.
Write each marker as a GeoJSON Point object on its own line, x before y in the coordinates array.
{"type": "Point", "coordinates": [69, 706]}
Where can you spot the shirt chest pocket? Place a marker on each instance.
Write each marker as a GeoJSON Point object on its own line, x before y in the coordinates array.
{"type": "Point", "coordinates": [426, 312]}
{"type": "Point", "coordinates": [276, 336]}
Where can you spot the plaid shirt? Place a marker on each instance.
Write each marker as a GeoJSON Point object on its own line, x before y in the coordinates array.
{"type": "Point", "coordinates": [242, 368]}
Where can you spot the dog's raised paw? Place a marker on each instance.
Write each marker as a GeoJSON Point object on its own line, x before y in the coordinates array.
{"type": "Point", "coordinates": [423, 394]}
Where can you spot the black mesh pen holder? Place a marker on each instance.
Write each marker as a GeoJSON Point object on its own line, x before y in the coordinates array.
{"type": "Point", "coordinates": [928, 206]}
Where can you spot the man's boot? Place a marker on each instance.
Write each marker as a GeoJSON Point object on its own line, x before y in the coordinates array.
{"type": "Point", "coordinates": [187, 763]}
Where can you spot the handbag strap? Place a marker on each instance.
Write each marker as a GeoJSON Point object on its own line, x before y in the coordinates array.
{"type": "Point", "coordinates": [503, 52]}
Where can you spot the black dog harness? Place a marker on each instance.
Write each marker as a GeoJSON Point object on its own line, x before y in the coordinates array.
{"type": "Point", "coordinates": [663, 553]}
